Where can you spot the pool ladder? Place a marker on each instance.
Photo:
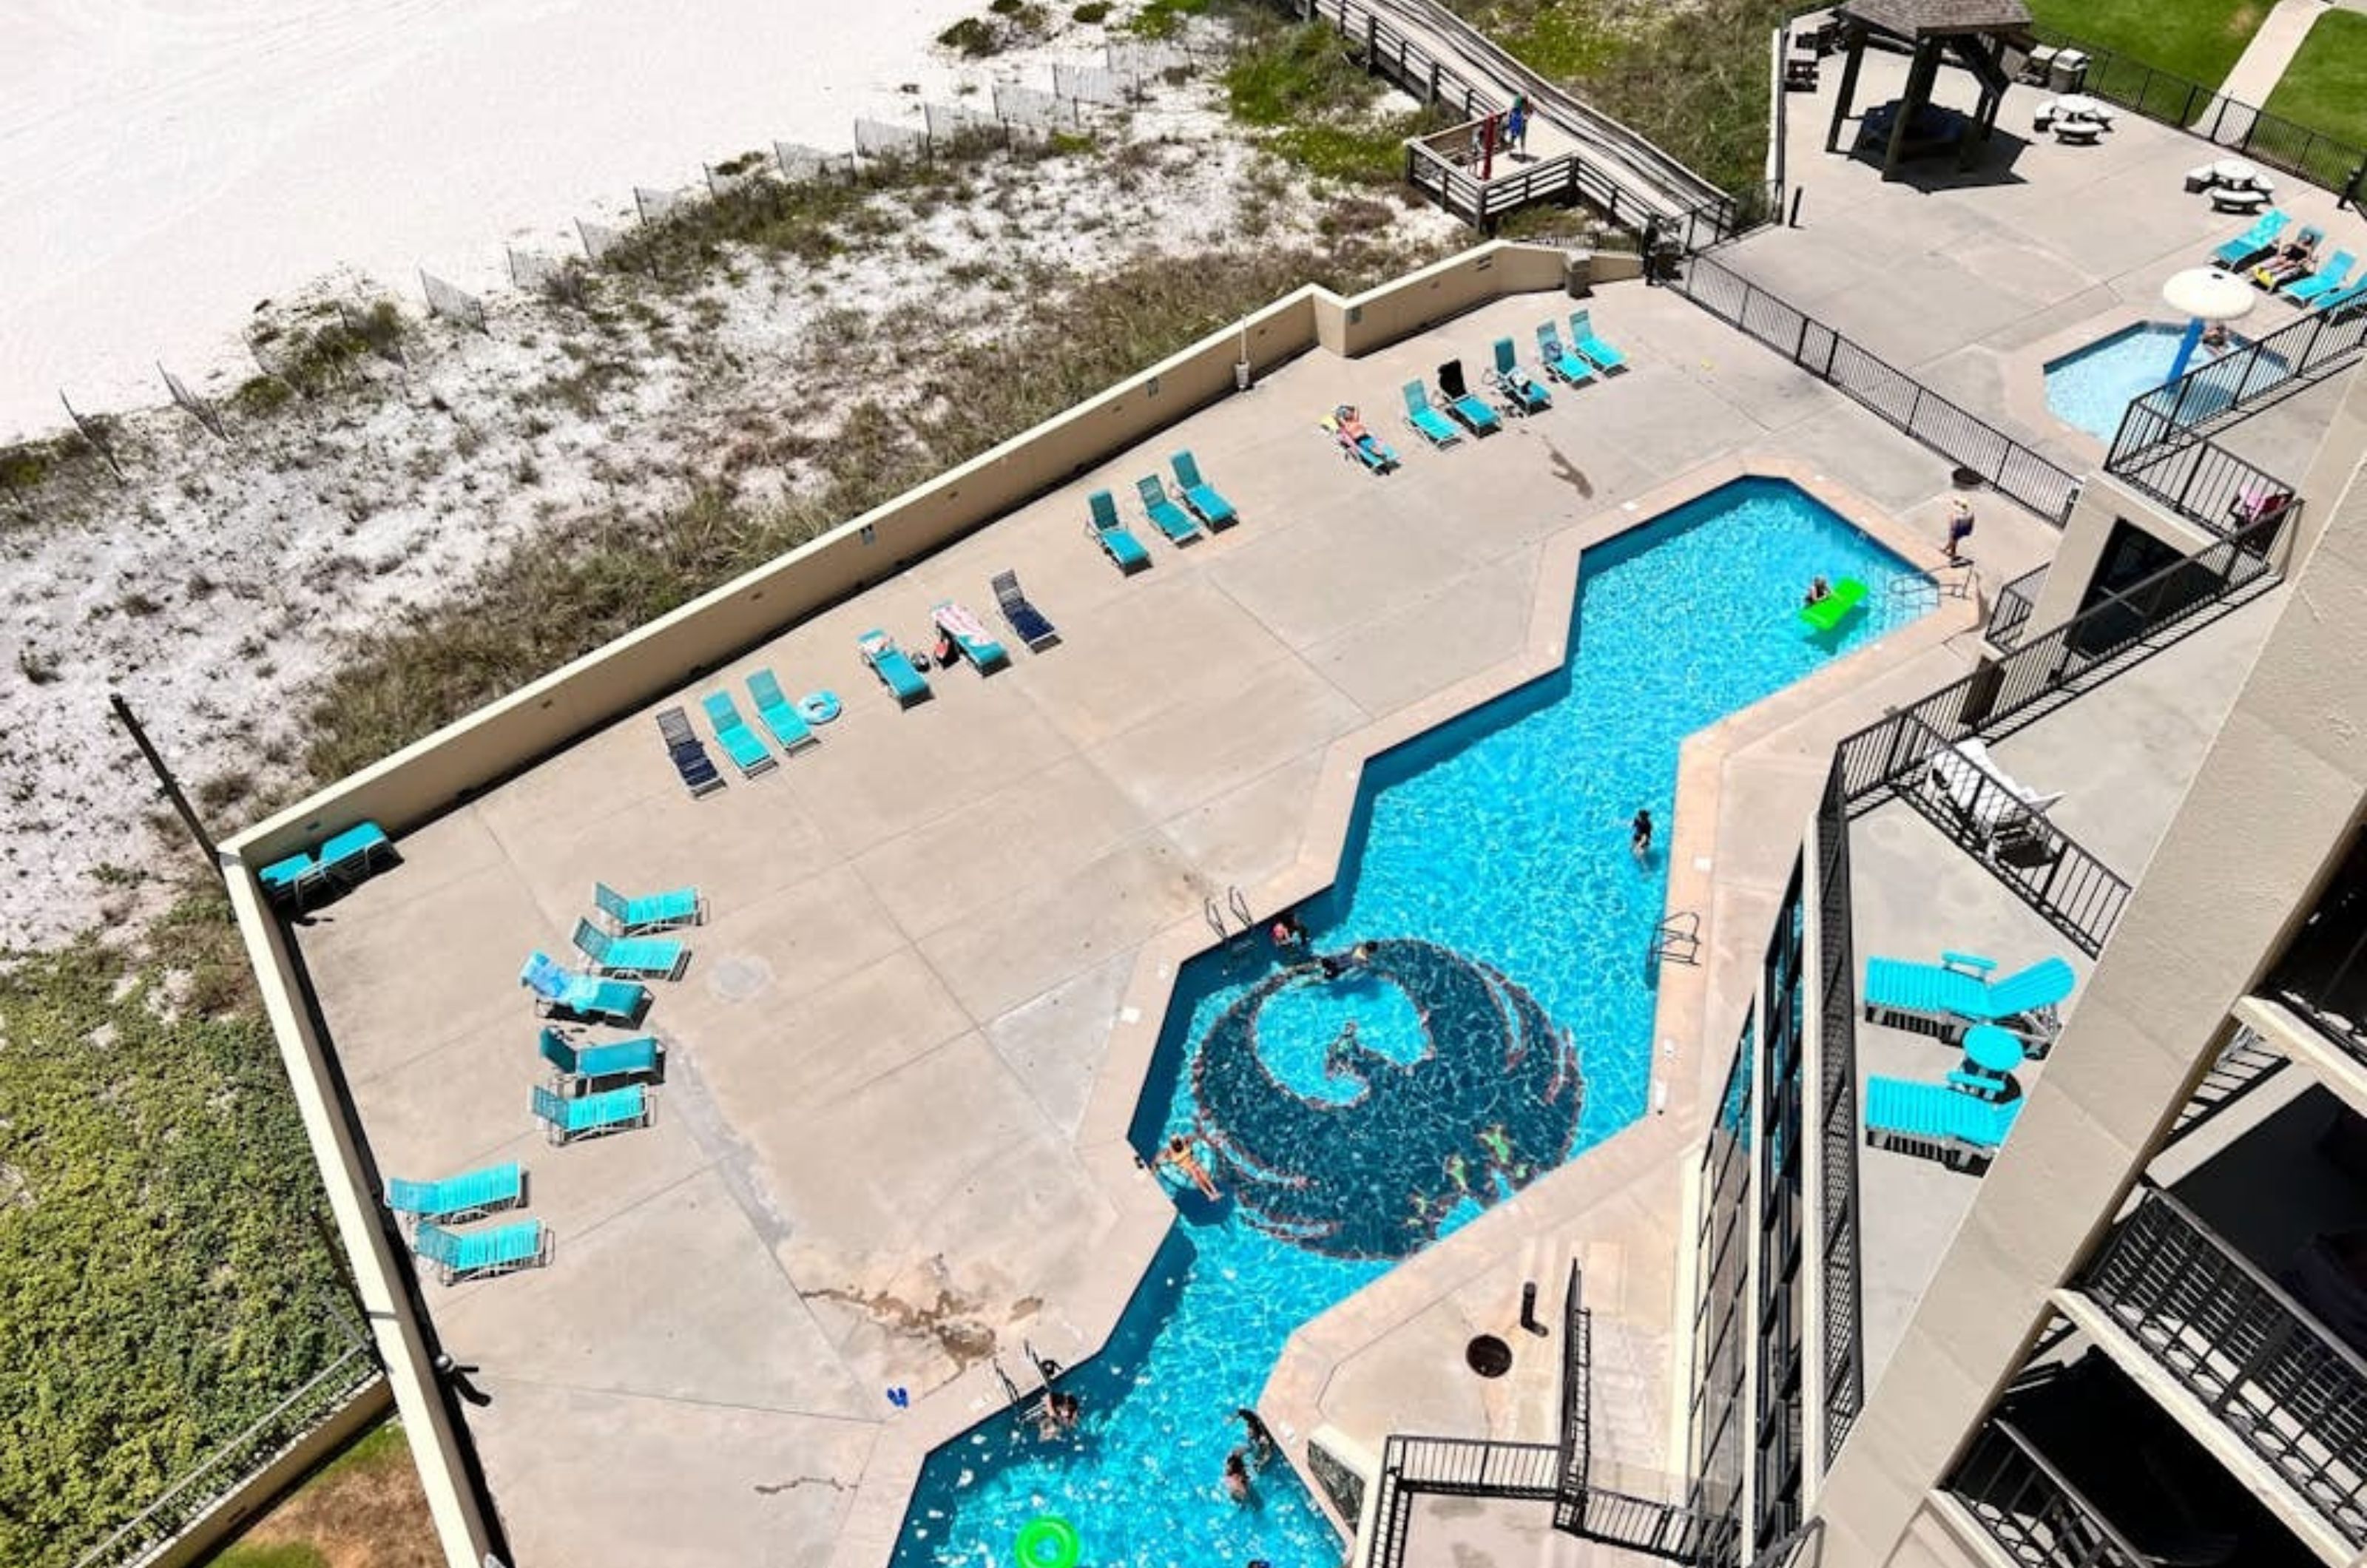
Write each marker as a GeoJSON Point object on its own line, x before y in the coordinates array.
{"type": "Point", "coordinates": [1238, 902]}
{"type": "Point", "coordinates": [1677, 939]}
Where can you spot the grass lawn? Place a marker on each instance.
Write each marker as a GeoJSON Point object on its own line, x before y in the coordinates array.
{"type": "Point", "coordinates": [2198, 39]}
{"type": "Point", "coordinates": [362, 1510]}
{"type": "Point", "coordinates": [2325, 88]}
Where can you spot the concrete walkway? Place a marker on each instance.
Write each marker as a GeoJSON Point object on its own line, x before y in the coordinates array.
{"type": "Point", "coordinates": [2264, 59]}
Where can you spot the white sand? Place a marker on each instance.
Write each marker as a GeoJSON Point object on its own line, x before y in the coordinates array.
{"type": "Point", "coordinates": [169, 162]}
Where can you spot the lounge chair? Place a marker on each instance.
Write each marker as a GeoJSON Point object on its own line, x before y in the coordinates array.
{"type": "Point", "coordinates": [631, 957]}
{"type": "Point", "coordinates": [1559, 363]}
{"type": "Point", "coordinates": [610, 1110]}
{"type": "Point", "coordinates": [1996, 808]}
{"type": "Point", "coordinates": [580, 1065]}
{"type": "Point", "coordinates": [1200, 497]}
{"type": "Point", "coordinates": [2328, 279]}
{"type": "Point", "coordinates": [698, 771]}
{"type": "Point", "coordinates": [1165, 515]}
{"type": "Point", "coordinates": [1945, 999]}
{"type": "Point", "coordinates": [2341, 299]}
{"type": "Point", "coordinates": [657, 912]}
{"type": "Point", "coordinates": [895, 670]}
{"type": "Point", "coordinates": [1933, 1120]}
{"type": "Point", "coordinates": [1527, 394]}
{"type": "Point", "coordinates": [1026, 622]}
{"type": "Point", "coordinates": [1590, 348]}
{"type": "Point", "coordinates": [465, 1196]}
{"type": "Point", "coordinates": [562, 991]}
{"type": "Point", "coordinates": [1376, 455]}
{"type": "Point", "coordinates": [2253, 242]}
{"type": "Point", "coordinates": [791, 733]}
{"type": "Point", "coordinates": [970, 636]}
{"type": "Point", "coordinates": [353, 855]}
{"type": "Point", "coordinates": [294, 880]}
{"type": "Point", "coordinates": [1466, 406]}
{"type": "Point", "coordinates": [472, 1255]}
{"type": "Point", "coordinates": [1427, 422]}
{"type": "Point", "coordinates": [1124, 551]}
{"type": "Point", "coordinates": [741, 744]}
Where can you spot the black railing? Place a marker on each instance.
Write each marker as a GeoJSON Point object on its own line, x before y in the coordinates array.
{"type": "Point", "coordinates": [2270, 138]}
{"type": "Point", "coordinates": [1577, 1415]}
{"type": "Point", "coordinates": [2205, 483]}
{"type": "Point", "coordinates": [2323, 974]}
{"type": "Point", "coordinates": [1844, 1326]}
{"type": "Point", "coordinates": [1956, 434]}
{"type": "Point", "coordinates": [2242, 1064]}
{"type": "Point", "coordinates": [2029, 1508]}
{"type": "Point", "coordinates": [2015, 601]}
{"type": "Point", "coordinates": [2267, 1370]}
{"type": "Point", "coordinates": [2216, 390]}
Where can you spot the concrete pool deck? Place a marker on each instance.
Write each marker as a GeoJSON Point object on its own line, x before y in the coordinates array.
{"type": "Point", "coordinates": [880, 1153]}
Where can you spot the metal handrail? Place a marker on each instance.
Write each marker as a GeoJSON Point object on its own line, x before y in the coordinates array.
{"type": "Point", "coordinates": [2258, 1277]}
{"type": "Point", "coordinates": [2015, 601]}
{"type": "Point", "coordinates": [2120, 1553]}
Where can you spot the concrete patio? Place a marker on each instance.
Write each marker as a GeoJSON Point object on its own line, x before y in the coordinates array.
{"type": "Point", "coordinates": [872, 1153]}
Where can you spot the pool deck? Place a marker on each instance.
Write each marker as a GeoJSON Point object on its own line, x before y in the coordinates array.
{"type": "Point", "coordinates": [890, 1141]}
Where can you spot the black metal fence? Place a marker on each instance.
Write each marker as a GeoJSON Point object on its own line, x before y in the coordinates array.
{"type": "Point", "coordinates": [2173, 100]}
{"type": "Point", "coordinates": [2269, 1371]}
{"type": "Point", "coordinates": [2206, 483]}
{"type": "Point", "coordinates": [1953, 431]}
{"type": "Point", "coordinates": [2011, 611]}
{"type": "Point", "coordinates": [2215, 391]}
{"type": "Point", "coordinates": [1577, 1412]}
{"type": "Point", "coordinates": [1844, 1325]}
{"type": "Point", "coordinates": [2323, 973]}
{"type": "Point", "coordinates": [2029, 1508]}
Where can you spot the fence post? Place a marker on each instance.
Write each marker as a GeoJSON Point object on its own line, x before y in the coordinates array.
{"type": "Point", "coordinates": [1372, 41]}
{"type": "Point", "coordinates": [1915, 408]}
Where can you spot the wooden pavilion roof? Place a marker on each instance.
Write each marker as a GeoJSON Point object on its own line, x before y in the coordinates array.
{"type": "Point", "coordinates": [1938, 19]}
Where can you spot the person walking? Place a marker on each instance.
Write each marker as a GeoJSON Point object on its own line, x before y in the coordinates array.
{"type": "Point", "coordinates": [1960, 528]}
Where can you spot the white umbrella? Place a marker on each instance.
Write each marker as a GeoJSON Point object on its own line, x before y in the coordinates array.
{"type": "Point", "coordinates": [2203, 295]}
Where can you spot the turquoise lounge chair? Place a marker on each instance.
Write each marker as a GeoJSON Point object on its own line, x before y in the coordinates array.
{"type": "Point", "coordinates": [353, 855]}
{"type": "Point", "coordinates": [1199, 496]}
{"type": "Point", "coordinates": [1528, 395]}
{"type": "Point", "coordinates": [611, 1110]}
{"type": "Point", "coordinates": [1123, 548]}
{"type": "Point", "coordinates": [557, 990]}
{"type": "Point", "coordinates": [2253, 242]}
{"type": "Point", "coordinates": [464, 1196]}
{"type": "Point", "coordinates": [2341, 299]}
{"type": "Point", "coordinates": [895, 670]}
{"type": "Point", "coordinates": [1559, 363]}
{"type": "Point", "coordinates": [969, 634]}
{"type": "Point", "coordinates": [1944, 998]}
{"type": "Point", "coordinates": [658, 957]}
{"type": "Point", "coordinates": [2328, 279]}
{"type": "Point", "coordinates": [1933, 1120]}
{"type": "Point", "coordinates": [1169, 518]}
{"type": "Point", "coordinates": [471, 1255]}
{"type": "Point", "coordinates": [656, 912]}
{"type": "Point", "coordinates": [1468, 408]}
{"type": "Point", "coordinates": [739, 742]}
{"type": "Point", "coordinates": [1590, 348]}
{"type": "Point", "coordinates": [294, 880]}
{"type": "Point", "coordinates": [580, 1065]}
{"type": "Point", "coordinates": [790, 733]}
{"type": "Point", "coordinates": [1428, 422]}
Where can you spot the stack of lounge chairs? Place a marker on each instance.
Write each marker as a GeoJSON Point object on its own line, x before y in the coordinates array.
{"type": "Point", "coordinates": [300, 880]}
{"type": "Point", "coordinates": [1963, 1122]}
{"type": "Point", "coordinates": [559, 992]}
{"type": "Point", "coordinates": [435, 1207]}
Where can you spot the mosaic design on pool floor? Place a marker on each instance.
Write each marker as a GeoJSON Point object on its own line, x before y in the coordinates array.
{"type": "Point", "coordinates": [1356, 1114]}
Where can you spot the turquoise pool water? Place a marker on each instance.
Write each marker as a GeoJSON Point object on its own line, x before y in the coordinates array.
{"type": "Point", "coordinates": [1499, 1023]}
{"type": "Point", "coordinates": [2091, 388]}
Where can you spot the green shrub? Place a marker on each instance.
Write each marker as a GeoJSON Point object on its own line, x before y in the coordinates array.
{"type": "Point", "coordinates": [973, 37]}
{"type": "Point", "coordinates": [259, 394]}
{"type": "Point", "coordinates": [1091, 12]}
{"type": "Point", "coordinates": [1165, 18]}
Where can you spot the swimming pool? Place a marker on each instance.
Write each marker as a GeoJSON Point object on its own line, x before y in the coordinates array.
{"type": "Point", "coordinates": [2091, 388]}
{"type": "Point", "coordinates": [1501, 1023]}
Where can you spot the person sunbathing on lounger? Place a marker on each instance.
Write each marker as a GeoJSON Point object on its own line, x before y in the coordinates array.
{"type": "Point", "coordinates": [2296, 259]}
{"type": "Point", "coordinates": [1354, 434]}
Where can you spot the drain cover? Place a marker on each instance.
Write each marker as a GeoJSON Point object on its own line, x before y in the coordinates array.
{"type": "Point", "coordinates": [1488, 1356]}
{"type": "Point", "coordinates": [737, 978]}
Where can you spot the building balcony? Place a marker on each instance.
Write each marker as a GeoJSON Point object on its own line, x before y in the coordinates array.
{"type": "Point", "coordinates": [2323, 977]}
{"type": "Point", "coordinates": [2259, 1376]}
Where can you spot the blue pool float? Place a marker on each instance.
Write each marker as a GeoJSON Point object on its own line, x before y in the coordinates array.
{"type": "Point", "coordinates": [818, 707]}
{"type": "Point", "coordinates": [1047, 1540]}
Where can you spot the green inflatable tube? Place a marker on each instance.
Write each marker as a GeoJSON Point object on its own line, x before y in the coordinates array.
{"type": "Point", "coordinates": [1048, 1540]}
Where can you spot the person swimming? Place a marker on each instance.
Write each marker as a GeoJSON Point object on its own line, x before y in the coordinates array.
{"type": "Point", "coordinates": [1261, 1448]}
{"type": "Point", "coordinates": [1179, 1153]}
{"type": "Point", "coordinates": [1640, 835]}
{"type": "Point", "coordinates": [1819, 590]}
{"type": "Point", "coordinates": [1237, 1477]}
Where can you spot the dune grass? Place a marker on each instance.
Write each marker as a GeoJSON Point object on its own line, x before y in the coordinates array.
{"type": "Point", "coordinates": [362, 1510]}
{"type": "Point", "coordinates": [2325, 88]}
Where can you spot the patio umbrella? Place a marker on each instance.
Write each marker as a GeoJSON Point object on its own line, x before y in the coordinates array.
{"type": "Point", "coordinates": [2203, 295]}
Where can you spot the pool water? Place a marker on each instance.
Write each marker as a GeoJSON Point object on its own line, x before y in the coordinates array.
{"type": "Point", "coordinates": [1497, 1022]}
{"type": "Point", "coordinates": [2091, 388]}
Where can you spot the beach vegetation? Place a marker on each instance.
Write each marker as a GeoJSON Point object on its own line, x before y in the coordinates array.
{"type": "Point", "coordinates": [1166, 18]}
{"type": "Point", "coordinates": [363, 1508]}
{"type": "Point", "coordinates": [1092, 12]}
{"type": "Point", "coordinates": [973, 37]}
{"type": "Point", "coordinates": [260, 395]}
{"type": "Point", "coordinates": [1294, 84]}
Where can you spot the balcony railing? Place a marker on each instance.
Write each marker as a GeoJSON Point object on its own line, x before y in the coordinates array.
{"type": "Point", "coordinates": [2029, 1508]}
{"type": "Point", "coordinates": [2264, 1368]}
{"type": "Point", "coordinates": [2011, 611]}
{"type": "Point", "coordinates": [2323, 974]}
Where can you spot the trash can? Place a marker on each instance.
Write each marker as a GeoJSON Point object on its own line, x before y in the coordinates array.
{"type": "Point", "coordinates": [1578, 273]}
{"type": "Point", "coordinates": [2068, 71]}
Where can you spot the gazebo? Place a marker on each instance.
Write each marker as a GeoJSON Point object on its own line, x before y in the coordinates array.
{"type": "Point", "coordinates": [1971, 33]}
